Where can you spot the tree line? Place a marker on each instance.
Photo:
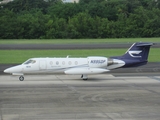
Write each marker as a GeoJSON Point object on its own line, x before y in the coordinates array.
{"type": "Point", "coordinates": [39, 19]}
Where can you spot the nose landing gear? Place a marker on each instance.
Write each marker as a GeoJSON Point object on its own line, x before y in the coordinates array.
{"type": "Point", "coordinates": [21, 78]}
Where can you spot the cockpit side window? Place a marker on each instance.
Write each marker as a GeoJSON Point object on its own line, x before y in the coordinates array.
{"type": "Point", "coordinates": [29, 62]}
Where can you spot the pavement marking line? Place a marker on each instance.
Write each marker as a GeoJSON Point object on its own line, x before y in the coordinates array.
{"type": "Point", "coordinates": [155, 78]}
{"type": "Point", "coordinates": [69, 86]}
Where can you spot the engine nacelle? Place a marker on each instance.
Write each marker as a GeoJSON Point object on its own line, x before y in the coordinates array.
{"type": "Point", "coordinates": [96, 62]}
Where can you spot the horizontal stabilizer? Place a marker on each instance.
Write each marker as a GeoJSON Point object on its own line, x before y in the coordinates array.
{"type": "Point", "coordinates": [144, 44]}
{"type": "Point", "coordinates": [80, 71]}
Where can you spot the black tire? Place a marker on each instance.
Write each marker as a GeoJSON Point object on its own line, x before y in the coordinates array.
{"type": "Point", "coordinates": [85, 79]}
{"type": "Point", "coordinates": [21, 78]}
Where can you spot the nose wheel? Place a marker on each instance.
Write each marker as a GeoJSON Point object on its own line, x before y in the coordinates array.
{"type": "Point", "coordinates": [21, 78]}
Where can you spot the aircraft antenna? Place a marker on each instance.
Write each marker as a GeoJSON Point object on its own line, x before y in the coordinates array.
{"type": "Point", "coordinates": [68, 56]}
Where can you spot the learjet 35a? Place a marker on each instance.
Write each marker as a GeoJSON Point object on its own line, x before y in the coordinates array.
{"type": "Point", "coordinates": [136, 55]}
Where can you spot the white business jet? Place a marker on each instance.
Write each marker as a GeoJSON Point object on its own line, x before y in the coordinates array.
{"type": "Point", "coordinates": [136, 55]}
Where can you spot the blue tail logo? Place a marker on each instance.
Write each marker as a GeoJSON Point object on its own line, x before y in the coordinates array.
{"type": "Point", "coordinates": [134, 53]}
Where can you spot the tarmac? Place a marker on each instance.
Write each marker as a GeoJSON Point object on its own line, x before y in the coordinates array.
{"type": "Point", "coordinates": [67, 97]}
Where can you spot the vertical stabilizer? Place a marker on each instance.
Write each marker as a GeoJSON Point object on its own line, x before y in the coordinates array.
{"type": "Point", "coordinates": [136, 55]}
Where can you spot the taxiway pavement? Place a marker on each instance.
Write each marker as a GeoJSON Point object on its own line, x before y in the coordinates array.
{"type": "Point", "coordinates": [67, 97]}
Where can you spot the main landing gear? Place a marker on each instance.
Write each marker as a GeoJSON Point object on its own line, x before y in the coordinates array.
{"type": "Point", "coordinates": [84, 77]}
{"type": "Point", "coordinates": [21, 78]}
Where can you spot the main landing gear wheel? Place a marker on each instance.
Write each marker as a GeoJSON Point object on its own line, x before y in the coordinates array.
{"type": "Point", "coordinates": [84, 77]}
{"type": "Point", "coordinates": [21, 78]}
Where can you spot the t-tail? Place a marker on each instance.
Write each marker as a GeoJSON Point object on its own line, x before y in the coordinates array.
{"type": "Point", "coordinates": [136, 55]}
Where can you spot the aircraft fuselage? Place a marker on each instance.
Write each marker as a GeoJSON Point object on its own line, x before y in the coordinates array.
{"type": "Point", "coordinates": [89, 65]}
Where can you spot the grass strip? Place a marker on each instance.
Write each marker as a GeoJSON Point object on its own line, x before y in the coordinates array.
{"type": "Point", "coordinates": [19, 56]}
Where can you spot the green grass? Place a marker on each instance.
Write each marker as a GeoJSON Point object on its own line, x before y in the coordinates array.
{"type": "Point", "coordinates": [77, 41]}
{"type": "Point", "coordinates": [19, 56]}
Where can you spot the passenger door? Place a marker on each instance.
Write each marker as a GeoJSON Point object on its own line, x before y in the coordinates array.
{"type": "Point", "coordinates": [42, 65]}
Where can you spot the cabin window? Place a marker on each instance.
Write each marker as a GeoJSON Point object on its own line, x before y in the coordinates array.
{"type": "Point", "coordinates": [29, 62]}
{"type": "Point", "coordinates": [76, 63]}
{"type": "Point", "coordinates": [57, 63]}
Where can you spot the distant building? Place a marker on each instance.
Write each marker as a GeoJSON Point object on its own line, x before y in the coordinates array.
{"type": "Point", "coordinates": [64, 1]}
{"type": "Point", "coordinates": [70, 1]}
{"type": "Point", "coordinates": [5, 1]}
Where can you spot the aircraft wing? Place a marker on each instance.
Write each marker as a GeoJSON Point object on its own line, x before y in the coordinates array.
{"type": "Point", "coordinates": [85, 70]}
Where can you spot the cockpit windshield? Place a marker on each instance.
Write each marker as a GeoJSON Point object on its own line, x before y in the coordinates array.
{"type": "Point", "coordinates": [29, 62]}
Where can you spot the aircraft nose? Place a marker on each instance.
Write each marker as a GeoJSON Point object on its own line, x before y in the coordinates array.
{"type": "Point", "coordinates": [7, 70]}
{"type": "Point", "coordinates": [15, 69]}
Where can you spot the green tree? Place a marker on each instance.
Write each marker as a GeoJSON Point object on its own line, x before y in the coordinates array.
{"type": "Point", "coordinates": [26, 5]}
{"type": "Point", "coordinates": [152, 24]}
{"type": "Point", "coordinates": [65, 11]}
{"type": "Point", "coordinates": [82, 24]}
{"type": "Point", "coordinates": [56, 28]}
{"type": "Point", "coordinates": [88, 19]}
{"type": "Point", "coordinates": [34, 24]}
{"type": "Point", "coordinates": [103, 10]}
{"type": "Point", "coordinates": [8, 24]}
